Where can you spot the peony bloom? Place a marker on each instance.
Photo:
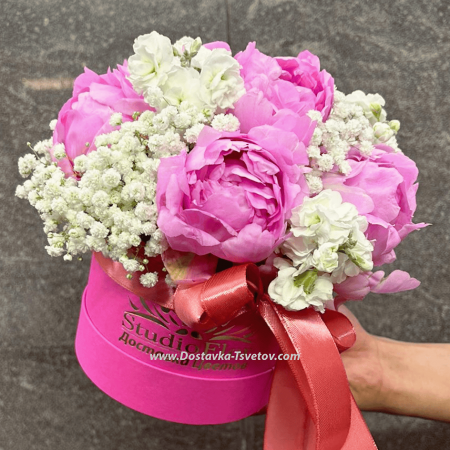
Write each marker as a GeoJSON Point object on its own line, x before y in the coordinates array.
{"type": "Point", "coordinates": [314, 86]}
{"type": "Point", "coordinates": [232, 194]}
{"type": "Point", "coordinates": [275, 84]}
{"type": "Point", "coordinates": [87, 114]}
{"type": "Point", "coordinates": [383, 189]}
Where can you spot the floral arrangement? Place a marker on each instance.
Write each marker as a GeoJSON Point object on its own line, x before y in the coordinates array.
{"type": "Point", "coordinates": [188, 152]}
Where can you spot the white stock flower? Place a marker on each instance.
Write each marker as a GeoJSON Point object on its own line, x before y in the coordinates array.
{"type": "Point", "coordinates": [296, 290]}
{"type": "Point", "coordinates": [152, 61]}
{"type": "Point", "coordinates": [183, 84]}
{"type": "Point", "coordinates": [325, 257]}
{"type": "Point", "coordinates": [221, 81]}
{"type": "Point", "coordinates": [346, 268]}
{"type": "Point", "coordinates": [372, 105]}
{"type": "Point", "coordinates": [382, 132]}
{"type": "Point", "coordinates": [327, 237]}
{"type": "Point", "coordinates": [325, 218]}
{"type": "Point", "coordinates": [359, 249]}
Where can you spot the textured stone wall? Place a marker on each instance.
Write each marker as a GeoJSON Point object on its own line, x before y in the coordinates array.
{"type": "Point", "coordinates": [399, 49]}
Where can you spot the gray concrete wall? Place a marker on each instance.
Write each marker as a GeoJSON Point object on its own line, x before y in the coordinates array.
{"type": "Point", "coordinates": [399, 48]}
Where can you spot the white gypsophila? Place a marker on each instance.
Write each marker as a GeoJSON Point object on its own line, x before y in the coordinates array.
{"type": "Point", "coordinates": [325, 162]}
{"type": "Point", "coordinates": [26, 164]}
{"type": "Point", "coordinates": [115, 119]}
{"type": "Point", "coordinates": [314, 182]}
{"type": "Point", "coordinates": [130, 265]}
{"type": "Point", "coordinates": [149, 279]}
{"type": "Point", "coordinates": [191, 134]}
{"type": "Point", "coordinates": [52, 124]}
{"type": "Point", "coordinates": [345, 167]}
{"type": "Point", "coordinates": [221, 82]}
{"type": "Point", "coordinates": [314, 115]}
{"type": "Point", "coordinates": [152, 61]}
{"type": "Point", "coordinates": [59, 151]}
{"type": "Point", "coordinates": [357, 122]}
{"type": "Point", "coordinates": [313, 151]}
{"type": "Point", "coordinates": [225, 122]}
{"type": "Point", "coordinates": [296, 290]}
{"type": "Point", "coordinates": [183, 120]}
{"type": "Point", "coordinates": [110, 206]}
{"type": "Point", "coordinates": [169, 281]}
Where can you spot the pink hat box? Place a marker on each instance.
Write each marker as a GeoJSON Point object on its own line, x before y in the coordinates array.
{"type": "Point", "coordinates": [119, 333]}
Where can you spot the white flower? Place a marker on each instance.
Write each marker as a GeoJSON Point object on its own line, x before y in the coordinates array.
{"type": "Point", "coordinates": [346, 268]}
{"type": "Point", "coordinates": [313, 151]}
{"type": "Point", "coordinates": [130, 265]}
{"type": "Point", "coordinates": [221, 81]}
{"type": "Point", "coordinates": [52, 124]}
{"type": "Point", "coordinates": [382, 132]}
{"type": "Point", "coordinates": [98, 230]}
{"type": "Point", "coordinates": [325, 162]}
{"type": "Point", "coordinates": [100, 199]}
{"type": "Point", "coordinates": [325, 257]}
{"type": "Point", "coordinates": [192, 133]}
{"type": "Point", "coordinates": [359, 250]}
{"type": "Point", "coordinates": [149, 279]}
{"type": "Point", "coordinates": [54, 251]}
{"type": "Point", "coordinates": [345, 167]}
{"type": "Point", "coordinates": [111, 178]}
{"type": "Point", "coordinates": [366, 148]}
{"type": "Point", "coordinates": [152, 61]}
{"type": "Point", "coordinates": [299, 249]}
{"type": "Point", "coordinates": [314, 183]}
{"type": "Point", "coordinates": [184, 44]}
{"type": "Point", "coordinates": [296, 290]}
{"type": "Point", "coordinates": [80, 163]}
{"type": "Point", "coordinates": [314, 115]}
{"type": "Point", "coordinates": [26, 164]}
{"type": "Point", "coordinates": [59, 151]}
{"type": "Point", "coordinates": [324, 218]}
{"type": "Point", "coordinates": [183, 84]}
{"type": "Point", "coordinates": [225, 122]}
{"type": "Point", "coordinates": [115, 119]}
{"type": "Point", "coordinates": [372, 105]}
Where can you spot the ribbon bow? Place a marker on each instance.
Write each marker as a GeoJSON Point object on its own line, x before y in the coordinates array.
{"type": "Point", "coordinates": [310, 405]}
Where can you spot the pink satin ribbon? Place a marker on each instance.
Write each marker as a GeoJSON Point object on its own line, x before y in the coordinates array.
{"type": "Point", "coordinates": [311, 406]}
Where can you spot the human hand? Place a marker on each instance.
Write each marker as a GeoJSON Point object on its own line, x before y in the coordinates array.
{"type": "Point", "coordinates": [364, 367]}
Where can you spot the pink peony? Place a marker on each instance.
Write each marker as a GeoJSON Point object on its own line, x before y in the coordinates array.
{"type": "Point", "coordinates": [383, 188]}
{"type": "Point", "coordinates": [86, 115]}
{"type": "Point", "coordinates": [232, 194]}
{"type": "Point", "coordinates": [276, 84]}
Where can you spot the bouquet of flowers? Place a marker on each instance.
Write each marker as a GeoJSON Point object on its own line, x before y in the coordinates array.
{"type": "Point", "coordinates": [187, 162]}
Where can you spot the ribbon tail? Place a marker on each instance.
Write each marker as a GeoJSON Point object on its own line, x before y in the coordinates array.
{"type": "Point", "coordinates": [311, 406]}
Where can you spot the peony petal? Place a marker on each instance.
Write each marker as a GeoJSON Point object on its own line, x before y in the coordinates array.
{"type": "Point", "coordinates": [252, 244]}
{"type": "Point", "coordinates": [188, 268]}
{"type": "Point", "coordinates": [397, 281]}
